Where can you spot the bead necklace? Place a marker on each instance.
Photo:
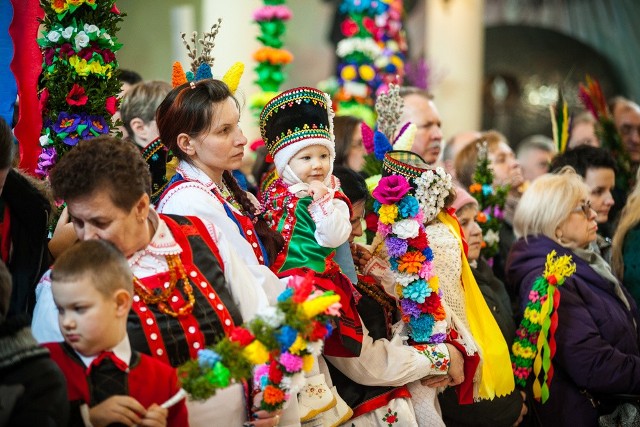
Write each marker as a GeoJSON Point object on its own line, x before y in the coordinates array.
{"type": "Point", "coordinates": [228, 196]}
{"type": "Point", "coordinates": [160, 296]}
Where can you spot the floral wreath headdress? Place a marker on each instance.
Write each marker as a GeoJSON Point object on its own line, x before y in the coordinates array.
{"type": "Point", "coordinates": [405, 199]}
{"type": "Point", "coordinates": [534, 346]}
{"type": "Point", "coordinates": [202, 62]}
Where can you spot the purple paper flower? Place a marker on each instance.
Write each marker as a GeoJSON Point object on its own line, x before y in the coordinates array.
{"type": "Point", "coordinates": [396, 247]}
{"type": "Point", "coordinates": [497, 212]}
{"type": "Point", "coordinates": [71, 139]}
{"type": "Point", "coordinates": [410, 308]}
{"type": "Point", "coordinates": [438, 338]}
{"type": "Point", "coordinates": [46, 160]}
{"type": "Point", "coordinates": [66, 122]}
{"type": "Point", "coordinates": [391, 189]}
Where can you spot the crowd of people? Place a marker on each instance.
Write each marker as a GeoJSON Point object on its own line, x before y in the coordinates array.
{"type": "Point", "coordinates": [161, 250]}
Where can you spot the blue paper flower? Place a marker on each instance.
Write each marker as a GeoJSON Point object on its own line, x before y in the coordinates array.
{"type": "Point", "coordinates": [487, 189]}
{"type": "Point", "coordinates": [207, 358]}
{"type": "Point", "coordinates": [286, 336]}
{"type": "Point", "coordinates": [417, 291]}
{"type": "Point", "coordinates": [428, 253]}
{"type": "Point", "coordinates": [422, 327]}
{"type": "Point", "coordinates": [408, 207]}
{"type": "Point", "coordinates": [285, 295]}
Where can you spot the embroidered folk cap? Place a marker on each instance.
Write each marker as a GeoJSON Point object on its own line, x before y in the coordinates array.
{"type": "Point", "coordinates": [294, 120]}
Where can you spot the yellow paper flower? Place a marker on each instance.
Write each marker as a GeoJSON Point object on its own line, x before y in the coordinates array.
{"type": "Point", "coordinates": [348, 73]}
{"type": "Point", "coordinates": [434, 284]}
{"type": "Point", "coordinates": [256, 353]}
{"type": "Point", "coordinates": [307, 362]}
{"type": "Point", "coordinates": [298, 345]}
{"type": "Point", "coordinates": [366, 72]}
{"type": "Point", "coordinates": [318, 305]}
{"type": "Point", "coordinates": [388, 214]}
{"type": "Point", "coordinates": [520, 351]}
{"type": "Point", "coordinates": [532, 315]}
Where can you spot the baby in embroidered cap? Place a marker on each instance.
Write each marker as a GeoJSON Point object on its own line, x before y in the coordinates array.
{"type": "Point", "coordinates": [305, 205]}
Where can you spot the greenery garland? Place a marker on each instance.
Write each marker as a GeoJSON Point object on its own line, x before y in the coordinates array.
{"type": "Point", "coordinates": [274, 348]}
{"type": "Point", "coordinates": [534, 345]}
{"type": "Point", "coordinates": [491, 201]}
{"type": "Point", "coordinates": [79, 74]}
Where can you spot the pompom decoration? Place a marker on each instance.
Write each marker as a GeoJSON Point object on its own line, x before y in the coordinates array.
{"type": "Point", "coordinates": [271, 57]}
{"type": "Point", "coordinates": [491, 201]}
{"type": "Point", "coordinates": [79, 74]}
{"type": "Point", "coordinates": [534, 346]}
{"type": "Point", "coordinates": [406, 243]}
{"type": "Point", "coordinates": [371, 54]}
{"type": "Point", "coordinates": [272, 355]}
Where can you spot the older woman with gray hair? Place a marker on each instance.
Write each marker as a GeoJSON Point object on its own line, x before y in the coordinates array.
{"type": "Point", "coordinates": [598, 352]}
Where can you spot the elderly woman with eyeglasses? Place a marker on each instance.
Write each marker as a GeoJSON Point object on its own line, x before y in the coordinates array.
{"type": "Point", "coordinates": [598, 352]}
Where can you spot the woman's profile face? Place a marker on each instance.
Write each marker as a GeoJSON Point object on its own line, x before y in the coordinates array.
{"type": "Point", "coordinates": [471, 229]}
{"type": "Point", "coordinates": [506, 168]}
{"type": "Point", "coordinates": [96, 217]}
{"type": "Point", "coordinates": [355, 158]}
{"type": "Point", "coordinates": [580, 227]}
{"type": "Point", "coordinates": [221, 147]}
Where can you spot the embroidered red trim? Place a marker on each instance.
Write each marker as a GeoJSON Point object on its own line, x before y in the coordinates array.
{"type": "Point", "coordinates": [380, 401]}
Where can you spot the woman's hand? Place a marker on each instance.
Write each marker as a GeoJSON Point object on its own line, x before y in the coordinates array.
{"type": "Point", "coordinates": [317, 190]}
{"type": "Point", "coordinates": [117, 409]}
{"type": "Point", "coordinates": [260, 417]}
{"type": "Point", "coordinates": [455, 375]}
{"type": "Point", "coordinates": [524, 409]}
{"type": "Point", "coordinates": [360, 255]}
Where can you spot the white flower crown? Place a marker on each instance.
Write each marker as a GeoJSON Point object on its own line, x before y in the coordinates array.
{"type": "Point", "coordinates": [433, 187]}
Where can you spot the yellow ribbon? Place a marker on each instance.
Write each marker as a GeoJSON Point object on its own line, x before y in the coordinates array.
{"type": "Point", "coordinates": [496, 375]}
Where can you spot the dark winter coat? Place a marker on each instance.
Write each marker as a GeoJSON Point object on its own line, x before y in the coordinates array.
{"type": "Point", "coordinates": [597, 337]}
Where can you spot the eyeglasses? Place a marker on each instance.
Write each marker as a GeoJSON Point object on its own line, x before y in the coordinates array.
{"type": "Point", "coordinates": [585, 207]}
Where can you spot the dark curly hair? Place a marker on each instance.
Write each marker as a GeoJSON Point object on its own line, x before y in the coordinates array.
{"type": "Point", "coordinates": [190, 109]}
{"type": "Point", "coordinates": [584, 157]}
{"type": "Point", "coordinates": [104, 162]}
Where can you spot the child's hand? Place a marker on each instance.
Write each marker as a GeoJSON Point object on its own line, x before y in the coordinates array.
{"type": "Point", "coordinates": [156, 416]}
{"type": "Point", "coordinates": [117, 409]}
{"type": "Point", "coordinates": [262, 418]}
{"type": "Point", "coordinates": [317, 190]}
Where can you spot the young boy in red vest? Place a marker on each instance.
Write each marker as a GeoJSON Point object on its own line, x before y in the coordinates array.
{"type": "Point", "coordinates": [107, 382]}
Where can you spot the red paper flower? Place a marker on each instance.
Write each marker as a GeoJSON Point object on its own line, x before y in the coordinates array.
{"type": "Point", "coordinates": [369, 24]}
{"type": "Point", "coordinates": [419, 242]}
{"type": "Point", "coordinates": [111, 105]}
{"type": "Point", "coordinates": [349, 28]}
{"type": "Point", "coordinates": [241, 335]}
{"type": "Point", "coordinates": [77, 95]}
{"type": "Point", "coordinates": [44, 97]}
{"type": "Point", "coordinates": [275, 374]}
{"type": "Point", "coordinates": [372, 221]}
{"type": "Point", "coordinates": [114, 9]}
{"type": "Point", "coordinates": [319, 331]}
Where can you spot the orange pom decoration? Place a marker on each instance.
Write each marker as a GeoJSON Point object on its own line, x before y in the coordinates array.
{"type": "Point", "coordinates": [178, 77]}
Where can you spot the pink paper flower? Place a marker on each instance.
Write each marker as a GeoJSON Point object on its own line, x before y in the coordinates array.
{"type": "Point", "coordinates": [391, 189]}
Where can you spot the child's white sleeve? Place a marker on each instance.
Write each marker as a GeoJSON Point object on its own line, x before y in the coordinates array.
{"type": "Point", "coordinates": [333, 225]}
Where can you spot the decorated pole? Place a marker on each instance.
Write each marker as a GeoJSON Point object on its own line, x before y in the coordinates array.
{"type": "Point", "coordinates": [79, 74]}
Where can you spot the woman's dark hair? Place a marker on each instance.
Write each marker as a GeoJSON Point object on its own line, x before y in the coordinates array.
{"type": "Point", "coordinates": [190, 109]}
{"type": "Point", "coordinates": [352, 183]}
{"type": "Point", "coordinates": [6, 145]}
{"type": "Point", "coordinates": [343, 128]}
{"type": "Point", "coordinates": [104, 162]}
{"type": "Point", "coordinates": [584, 157]}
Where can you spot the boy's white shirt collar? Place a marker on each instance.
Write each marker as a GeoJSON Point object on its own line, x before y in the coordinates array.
{"type": "Point", "coordinates": [122, 350]}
